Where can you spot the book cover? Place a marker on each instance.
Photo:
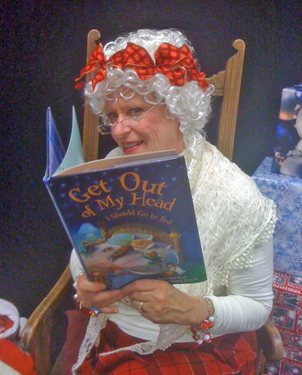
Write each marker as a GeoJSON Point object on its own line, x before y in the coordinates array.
{"type": "Point", "coordinates": [130, 217]}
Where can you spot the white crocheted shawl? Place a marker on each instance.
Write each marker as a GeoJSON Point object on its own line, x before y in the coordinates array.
{"type": "Point", "coordinates": [232, 217]}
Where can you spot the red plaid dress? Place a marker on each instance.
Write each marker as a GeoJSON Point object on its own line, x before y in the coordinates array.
{"type": "Point", "coordinates": [229, 354]}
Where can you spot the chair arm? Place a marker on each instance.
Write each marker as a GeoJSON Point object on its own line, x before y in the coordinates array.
{"type": "Point", "coordinates": [35, 338]}
{"type": "Point", "coordinates": [270, 340]}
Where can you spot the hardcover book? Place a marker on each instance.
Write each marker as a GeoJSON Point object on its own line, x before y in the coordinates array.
{"type": "Point", "coordinates": [128, 217]}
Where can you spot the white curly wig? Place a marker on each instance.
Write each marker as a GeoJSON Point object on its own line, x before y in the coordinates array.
{"type": "Point", "coordinates": [188, 102]}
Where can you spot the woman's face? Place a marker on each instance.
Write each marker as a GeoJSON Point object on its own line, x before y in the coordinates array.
{"type": "Point", "coordinates": [156, 132]}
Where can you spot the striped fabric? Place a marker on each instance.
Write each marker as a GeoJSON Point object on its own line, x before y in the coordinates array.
{"type": "Point", "coordinates": [225, 355]}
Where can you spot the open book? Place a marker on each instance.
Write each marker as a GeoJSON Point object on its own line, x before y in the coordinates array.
{"type": "Point", "coordinates": [128, 217]}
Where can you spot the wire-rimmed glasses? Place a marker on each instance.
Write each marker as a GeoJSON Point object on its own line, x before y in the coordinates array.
{"type": "Point", "coordinates": [106, 125]}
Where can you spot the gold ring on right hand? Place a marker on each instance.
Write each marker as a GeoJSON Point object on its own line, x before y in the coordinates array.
{"type": "Point", "coordinates": [140, 307]}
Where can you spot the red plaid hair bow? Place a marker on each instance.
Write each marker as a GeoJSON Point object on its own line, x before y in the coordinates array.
{"type": "Point", "coordinates": [177, 64]}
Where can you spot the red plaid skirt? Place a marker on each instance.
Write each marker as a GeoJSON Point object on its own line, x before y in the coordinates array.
{"type": "Point", "coordinates": [225, 355]}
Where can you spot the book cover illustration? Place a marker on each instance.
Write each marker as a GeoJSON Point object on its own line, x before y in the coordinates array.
{"type": "Point", "coordinates": [130, 221]}
{"type": "Point", "coordinates": [288, 150]}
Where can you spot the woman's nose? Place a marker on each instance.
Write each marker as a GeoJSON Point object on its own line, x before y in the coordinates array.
{"type": "Point", "coordinates": [119, 129]}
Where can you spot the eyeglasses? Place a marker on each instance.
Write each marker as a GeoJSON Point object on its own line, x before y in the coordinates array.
{"type": "Point", "coordinates": [107, 125]}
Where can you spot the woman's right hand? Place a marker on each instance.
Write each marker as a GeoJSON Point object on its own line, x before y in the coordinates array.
{"type": "Point", "coordinates": [94, 293]}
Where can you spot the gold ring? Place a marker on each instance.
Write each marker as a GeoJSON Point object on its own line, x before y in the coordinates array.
{"type": "Point", "coordinates": [140, 307]}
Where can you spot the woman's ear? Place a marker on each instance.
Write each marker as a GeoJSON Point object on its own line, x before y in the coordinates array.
{"type": "Point", "coordinates": [171, 116]}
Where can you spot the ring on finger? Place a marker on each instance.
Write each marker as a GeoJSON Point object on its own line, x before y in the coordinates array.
{"type": "Point", "coordinates": [140, 307]}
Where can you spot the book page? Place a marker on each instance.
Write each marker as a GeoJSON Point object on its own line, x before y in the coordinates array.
{"type": "Point", "coordinates": [113, 162]}
{"type": "Point", "coordinates": [74, 154]}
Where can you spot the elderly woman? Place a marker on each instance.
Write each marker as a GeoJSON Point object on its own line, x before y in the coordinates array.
{"type": "Point", "coordinates": [151, 96]}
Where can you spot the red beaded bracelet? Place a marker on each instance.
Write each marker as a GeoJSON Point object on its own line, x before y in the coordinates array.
{"type": "Point", "coordinates": [94, 312]}
{"type": "Point", "coordinates": [203, 334]}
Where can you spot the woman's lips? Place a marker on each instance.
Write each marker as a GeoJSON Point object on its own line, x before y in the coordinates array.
{"type": "Point", "coordinates": [130, 146]}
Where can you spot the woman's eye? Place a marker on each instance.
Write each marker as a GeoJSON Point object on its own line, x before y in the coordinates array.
{"type": "Point", "coordinates": [135, 111]}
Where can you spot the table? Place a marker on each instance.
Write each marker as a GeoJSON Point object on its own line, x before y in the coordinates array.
{"type": "Point", "coordinates": [286, 192]}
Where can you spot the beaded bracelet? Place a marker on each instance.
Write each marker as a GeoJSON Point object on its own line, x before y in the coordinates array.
{"type": "Point", "coordinates": [94, 312]}
{"type": "Point", "coordinates": [203, 334]}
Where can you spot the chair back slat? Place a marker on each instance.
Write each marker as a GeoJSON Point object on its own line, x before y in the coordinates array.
{"type": "Point", "coordinates": [91, 121]}
{"type": "Point", "coordinates": [227, 83]}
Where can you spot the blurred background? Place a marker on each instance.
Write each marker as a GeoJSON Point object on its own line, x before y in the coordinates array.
{"type": "Point", "coordinates": [43, 48]}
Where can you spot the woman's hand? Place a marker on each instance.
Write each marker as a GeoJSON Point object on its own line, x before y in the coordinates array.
{"type": "Point", "coordinates": [94, 294]}
{"type": "Point", "coordinates": [164, 304]}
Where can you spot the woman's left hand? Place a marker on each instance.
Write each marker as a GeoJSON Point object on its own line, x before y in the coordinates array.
{"type": "Point", "coordinates": [164, 304]}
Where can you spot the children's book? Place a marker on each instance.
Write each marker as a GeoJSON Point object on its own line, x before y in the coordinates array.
{"type": "Point", "coordinates": [128, 217]}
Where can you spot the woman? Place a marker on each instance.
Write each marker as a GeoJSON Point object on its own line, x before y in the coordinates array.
{"type": "Point", "coordinates": [151, 96]}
